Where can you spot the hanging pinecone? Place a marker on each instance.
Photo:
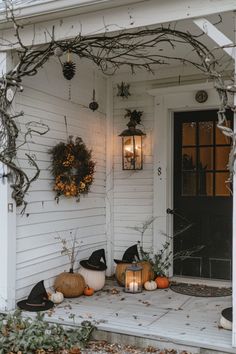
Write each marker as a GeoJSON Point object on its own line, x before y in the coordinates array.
{"type": "Point", "coordinates": [68, 69]}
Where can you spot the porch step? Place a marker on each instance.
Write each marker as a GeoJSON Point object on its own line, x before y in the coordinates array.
{"type": "Point", "coordinates": [162, 318]}
{"type": "Point", "coordinates": [161, 343]}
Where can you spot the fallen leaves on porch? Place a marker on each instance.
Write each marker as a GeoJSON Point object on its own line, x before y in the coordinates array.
{"type": "Point", "coordinates": [112, 291]}
{"type": "Point", "coordinates": [103, 347]}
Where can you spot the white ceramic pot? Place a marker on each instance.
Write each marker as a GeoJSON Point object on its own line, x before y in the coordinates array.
{"type": "Point", "coordinates": [226, 324]}
{"type": "Point", "coordinates": [93, 278]}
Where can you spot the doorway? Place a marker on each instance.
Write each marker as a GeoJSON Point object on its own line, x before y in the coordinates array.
{"type": "Point", "coordinates": [202, 200]}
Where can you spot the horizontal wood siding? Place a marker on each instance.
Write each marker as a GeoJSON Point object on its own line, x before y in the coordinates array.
{"type": "Point", "coordinates": [45, 100]}
{"type": "Point", "coordinates": [133, 190]}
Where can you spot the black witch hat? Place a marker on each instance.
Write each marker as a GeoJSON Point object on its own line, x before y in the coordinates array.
{"type": "Point", "coordinates": [94, 261]}
{"type": "Point", "coordinates": [37, 299]}
{"type": "Point", "coordinates": [130, 255]}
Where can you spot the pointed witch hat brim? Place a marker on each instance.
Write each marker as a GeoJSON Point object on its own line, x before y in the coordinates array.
{"type": "Point", "coordinates": [24, 305]}
{"type": "Point", "coordinates": [130, 255]}
{"type": "Point", "coordinates": [94, 261]}
{"type": "Point", "coordinates": [37, 299]}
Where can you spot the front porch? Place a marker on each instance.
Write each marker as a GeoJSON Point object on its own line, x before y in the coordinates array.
{"type": "Point", "coordinates": [160, 318]}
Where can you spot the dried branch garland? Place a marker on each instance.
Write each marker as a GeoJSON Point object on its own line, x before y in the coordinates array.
{"type": "Point", "coordinates": [138, 50]}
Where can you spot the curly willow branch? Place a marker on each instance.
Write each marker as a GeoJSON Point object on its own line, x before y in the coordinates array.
{"type": "Point", "coordinates": [139, 49]}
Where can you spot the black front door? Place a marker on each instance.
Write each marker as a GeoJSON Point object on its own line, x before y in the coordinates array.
{"type": "Point", "coordinates": [202, 198]}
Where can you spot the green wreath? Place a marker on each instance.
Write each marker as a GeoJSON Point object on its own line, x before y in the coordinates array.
{"type": "Point", "coordinates": [72, 168]}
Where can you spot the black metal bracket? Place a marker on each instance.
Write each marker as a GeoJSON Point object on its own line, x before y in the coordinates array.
{"type": "Point", "coordinates": [170, 211]}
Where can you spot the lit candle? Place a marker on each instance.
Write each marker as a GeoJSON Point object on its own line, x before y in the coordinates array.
{"type": "Point", "coordinates": [133, 286]}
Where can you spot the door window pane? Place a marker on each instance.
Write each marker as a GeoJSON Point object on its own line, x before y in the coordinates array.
{"type": "Point", "coordinates": [189, 133]}
{"type": "Point", "coordinates": [222, 157]}
{"type": "Point", "coordinates": [205, 183]}
{"type": "Point", "coordinates": [221, 185]}
{"type": "Point", "coordinates": [188, 183]}
{"type": "Point", "coordinates": [220, 137]}
{"type": "Point", "coordinates": [188, 159]}
{"type": "Point", "coordinates": [205, 158]}
{"type": "Point", "coordinates": [205, 133]}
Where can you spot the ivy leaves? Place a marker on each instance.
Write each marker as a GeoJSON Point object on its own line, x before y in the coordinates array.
{"type": "Point", "coordinates": [26, 335]}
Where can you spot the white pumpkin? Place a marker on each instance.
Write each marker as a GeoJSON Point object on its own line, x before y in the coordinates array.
{"type": "Point", "coordinates": [150, 285]}
{"type": "Point", "coordinates": [93, 278]}
{"type": "Point", "coordinates": [57, 297]}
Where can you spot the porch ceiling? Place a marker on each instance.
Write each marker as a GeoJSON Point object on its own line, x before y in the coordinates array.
{"type": "Point", "coordinates": [224, 22]}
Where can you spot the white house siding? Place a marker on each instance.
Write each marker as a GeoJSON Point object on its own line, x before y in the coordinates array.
{"type": "Point", "coordinates": [133, 190]}
{"type": "Point", "coordinates": [45, 100]}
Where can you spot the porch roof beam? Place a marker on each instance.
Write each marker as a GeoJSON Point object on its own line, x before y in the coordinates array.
{"type": "Point", "coordinates": [131, 16]}
{"type": "Point", "coordinates": [217, 36]}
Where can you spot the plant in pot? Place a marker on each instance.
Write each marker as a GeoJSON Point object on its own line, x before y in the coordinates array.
{"type": "Point", "coordinates": [70, 284]}
{"type": "Point", "coordinates": [161, 262]}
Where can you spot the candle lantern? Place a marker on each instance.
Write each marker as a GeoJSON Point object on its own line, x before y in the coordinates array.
{"type": "Point", "coordinates": [133, 279]}
{"type": "Point", "coordinates": [132, 144]}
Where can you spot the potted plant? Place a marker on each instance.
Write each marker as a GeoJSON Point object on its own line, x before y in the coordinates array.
{"type": "Point", "coordinates": [160, 263]}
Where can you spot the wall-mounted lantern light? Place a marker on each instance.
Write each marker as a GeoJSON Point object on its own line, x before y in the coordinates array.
{"type": "Point", "coordinates": [132, 142]}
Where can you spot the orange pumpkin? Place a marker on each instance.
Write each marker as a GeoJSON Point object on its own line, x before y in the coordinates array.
{"type": "Point", "coordinates": [88, 291]}
{"type": "Point", "coordinates": [162, 282]}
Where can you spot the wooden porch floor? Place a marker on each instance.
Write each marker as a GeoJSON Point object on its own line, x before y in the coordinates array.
{"type": "Point", "coordinates": [160, 317]}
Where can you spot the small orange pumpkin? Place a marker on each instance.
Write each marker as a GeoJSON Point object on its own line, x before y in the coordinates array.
{"type": "Point", "coordinates": [88, 291]}
{"type": "Point", "coordinates": [162, 282]}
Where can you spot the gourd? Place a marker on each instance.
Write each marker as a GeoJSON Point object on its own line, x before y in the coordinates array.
{"type": "Point", "coordinates": [57, 297]}
{"type": "Point", "coordinates": [147, 272]}
{"type": "Point", "coordinates": [70, 284]}
{"type": "Point", "coordinates": [150, 285]}
{"type": "Point", "coordinates": [162, 282]}
{"type": "Point", "coordinates": [88, 291]}
{"type": "Point", "coordinates": [93, 278]}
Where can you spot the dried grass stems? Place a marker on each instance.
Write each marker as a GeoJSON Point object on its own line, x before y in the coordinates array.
{"type": "Point", "coordinates": [70, 247]}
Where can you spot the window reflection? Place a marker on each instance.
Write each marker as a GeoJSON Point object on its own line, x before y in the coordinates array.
{"type": "Point", "coordinates": [189, 133]}
{"type": "Point", "coordinates": [205, 133]}
{"type": "Point", "coordinates": [206, 158]}
{"type": "Point", "coordinates": [188, 159]}
{"type": "Point", "coordinates": [222, 157]}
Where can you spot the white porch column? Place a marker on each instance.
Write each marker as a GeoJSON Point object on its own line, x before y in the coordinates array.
{"type": "Point", "coordinates": [7, 228]}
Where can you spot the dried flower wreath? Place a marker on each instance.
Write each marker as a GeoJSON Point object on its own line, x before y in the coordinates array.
{"type": "Point", "coordinates": [72, 168]}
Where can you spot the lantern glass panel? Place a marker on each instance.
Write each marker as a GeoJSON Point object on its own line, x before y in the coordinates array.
{"type": "Point", "coordinates": [132, 152]}
{"type": "Point", "coordinates": [133, 279]}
